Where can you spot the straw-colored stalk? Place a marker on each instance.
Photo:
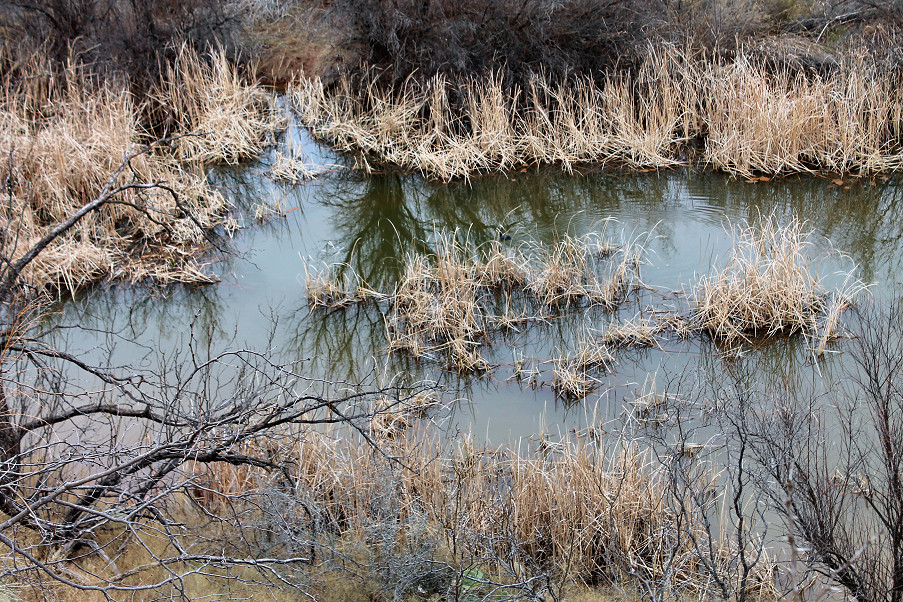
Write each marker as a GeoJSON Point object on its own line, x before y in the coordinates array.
{"type": "Point", "coordinates": [223, 118]}
{"type": "Point", "coordinates": [331, 285]}
{"type": "Point", "coordinates": [436, 307]}
{"type": "Point", "coordinates": [575, 376]}
{"type": "Point", "coordinates": [290, 170]}
{"type": "Point", "coordinates": [628, 335]}
{"type": "Point", "coordinates": [63, 135]}
{"type": "Point", "coordinates": [445, 303]}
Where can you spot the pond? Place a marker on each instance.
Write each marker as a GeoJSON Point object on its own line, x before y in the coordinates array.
{"type": "Point", "coordinates": [370, 224]}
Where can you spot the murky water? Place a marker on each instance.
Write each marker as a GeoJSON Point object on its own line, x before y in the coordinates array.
{"type": "Point", "coordinates": [372, 222]}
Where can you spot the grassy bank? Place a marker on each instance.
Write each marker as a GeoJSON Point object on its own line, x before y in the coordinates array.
{"type": "Point", "coordinates": [68, 135]}
{"type": "Point", "coordinates": [550, 520]}
{"type": "Point", "coordinates": [743, 116]}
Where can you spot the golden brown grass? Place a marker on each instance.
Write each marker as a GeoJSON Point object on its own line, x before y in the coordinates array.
{"type": "Point", "coordinates": [446, 305]}
{"type": "Point", "coordinates": [437, 308]}
{"type": "Point", "coordinates": [333, 285]}
{"type": "Point", "coordinates": [752, 118]}
{"type": "Point", "coordinates": [583, 512]}
{"type": "Point", "coordinates": [63, 135]}
{"type": "Point", "coordinates": [767, 286]}
{"type": "Point", "coordinates": [849, 122]}
{"type": "Point", "coordinates": [205, 96]}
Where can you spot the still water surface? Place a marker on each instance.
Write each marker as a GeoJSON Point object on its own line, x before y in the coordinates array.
{"type": "Point", "coordinates": [373, 222]}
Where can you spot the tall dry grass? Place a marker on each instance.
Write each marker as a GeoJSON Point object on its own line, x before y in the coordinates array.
{"type": "Point", "coordinates": [446, 305]}
{"type": "Point", "coordinates": [62, 136]}
{"type": "Point", "coordinates": [206, 96]}
{"type": "Point", "coordinates": [743, 116]}
{"type": "Point", "coordinates": [770, 284]}
{"type": "Point", "coordinates": [572, 508]}
{"type": "Point", "coordinates": [772, 123]}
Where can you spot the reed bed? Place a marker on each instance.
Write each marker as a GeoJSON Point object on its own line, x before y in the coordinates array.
{"type": "Point", "coordinates": [225, 119]}
{"type": "Point", "coordinates": [573, 509]}
{"type": "Point", "coordinates": [743, 116]}
{"type": "Point", "coordinates": [63, 135]}
{"type": "Point", "coordinates": [445, 305]}
{"type": "Point", "coordinates": [767, 286]}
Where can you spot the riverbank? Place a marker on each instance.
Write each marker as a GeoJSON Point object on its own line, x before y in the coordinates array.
{"type": "Point", "coordinates": [742, 116]}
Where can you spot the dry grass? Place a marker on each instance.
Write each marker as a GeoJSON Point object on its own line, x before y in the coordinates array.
{"type": "Point", "coordinates": [207, 97]}
{"type": "Point", "coordinates": [638, 333]}
{"type": "Point", "coordinates": [849, 122]}
{"type": "Point", "coordinates": [567, 125]}
{"type": "Point", "coordinates": [581, 512]}
{"type": "Point", "coordinates": [767, 286]}
{"type": "Point", "coordinates": [448, 303]}
{"type": "Point", "coordinates": [574, 376]}
{"type": "Point", "coordinates": [62, 136]}
{"type": "Point", "coordinates": [334, 285]}
{"type": "Point", "coordinates": [437, 308]}
{"type": "Point", "coordinates": [752, 118]}
{"type": "Point", "coordinates": [290, 169]}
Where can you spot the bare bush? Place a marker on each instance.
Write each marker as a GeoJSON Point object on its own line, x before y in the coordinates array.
{"type": "Point", "coordinates": [126, 37]}
{"type": "Point", "coordinates": [514, 38]}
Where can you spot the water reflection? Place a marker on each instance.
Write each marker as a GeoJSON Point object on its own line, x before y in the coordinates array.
{"type": "Point", "coordinates": [374, 222]}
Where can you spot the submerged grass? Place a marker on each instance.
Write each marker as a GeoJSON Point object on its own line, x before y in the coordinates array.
{"type": "Point", "coordinates": [743, 116]}
{"type": "Point", "coordinates": [450, 306]}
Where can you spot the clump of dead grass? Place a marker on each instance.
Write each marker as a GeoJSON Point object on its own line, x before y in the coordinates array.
{"type": "Point", "coordinates": [768, 285]}
{"type": "Point", "coordinates": [772, 122]}
{"type": "Point", "coordinates": [496, 128]}
{"type": "Point", "coordinates": [576, 376]}
{"type": "Point", "coordinates": [749, 118]}
{"type": "Point", "coordinates": [437, 308]}
{"type": "Point", "coordinates": [223, 118]}
{"type": "Point", "coordinates": [446, 305]}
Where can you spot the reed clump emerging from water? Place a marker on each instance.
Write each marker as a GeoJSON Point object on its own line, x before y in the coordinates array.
{"type": "Point", "coordinates": [63, 134]}
{"type": "Point", "coordinates": [446, 306]}
{"type": "Point", "coordinates": [744, 116]}
{"type": "Point", "coordinates": [767, 286]}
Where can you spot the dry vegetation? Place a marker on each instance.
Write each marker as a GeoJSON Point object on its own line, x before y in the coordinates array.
{"type": "Point", "coordinates": [744, 116]}
{"type": "Point", "coordinates": [65, 133]}
{"type": "Point", "coordinates": [448, 303]}
{"type": "Point", "coordinates": [449, 306]}
{"type": "Point", "coordinates": [571, 511]}
{"type": "Point", "coordinates": [769, 285]}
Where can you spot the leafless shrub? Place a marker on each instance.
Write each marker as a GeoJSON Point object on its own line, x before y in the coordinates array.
{"type": "Point", "coordinates": [130, 39]}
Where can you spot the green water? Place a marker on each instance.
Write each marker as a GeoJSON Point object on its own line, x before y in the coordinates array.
{"type": "Point", "coordinates": [371, 222]}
